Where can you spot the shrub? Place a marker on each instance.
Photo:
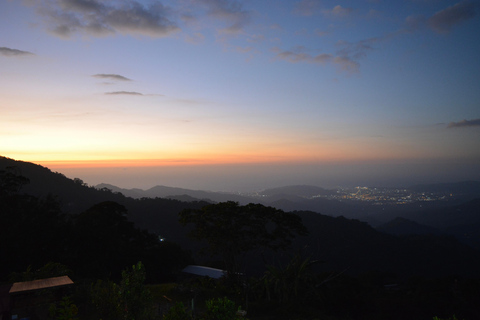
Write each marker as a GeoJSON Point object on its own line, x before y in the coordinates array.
{"type": "Point", "coordinates": [221, 309]}
{"type": "Point", "coordinates": [454, 317]}
{"type": "Point", "coordinates": [63, 310]}
{"type": "Point", "coordinates": [177, 312]}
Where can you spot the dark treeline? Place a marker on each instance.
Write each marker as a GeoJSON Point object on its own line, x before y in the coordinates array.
{"type": "Point", "coordinates": [97, 243]}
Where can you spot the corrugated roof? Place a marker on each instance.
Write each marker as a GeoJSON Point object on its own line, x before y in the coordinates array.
{"type": "Point", "coordinates": [205, 271]}
{"type": "Point", "coordinates": [40, 284]}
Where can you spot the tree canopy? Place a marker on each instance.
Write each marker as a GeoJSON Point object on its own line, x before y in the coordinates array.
{"type": "Point", "coordinates": [97, 243]}
{"type": "Point", "coordinates": [230, 229]}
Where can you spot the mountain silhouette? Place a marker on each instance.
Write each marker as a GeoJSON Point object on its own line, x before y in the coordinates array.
{"type": "Point", "coordinates": [172, 192]}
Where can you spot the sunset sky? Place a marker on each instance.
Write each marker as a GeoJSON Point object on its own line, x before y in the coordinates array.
{"type": "Point", "coordinates": [236, 95]}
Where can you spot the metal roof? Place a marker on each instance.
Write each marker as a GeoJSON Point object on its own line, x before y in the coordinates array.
{"type": "Point", "coordinates": [204, 271]}
{"type": "Point", "coordinates": [40, 284]}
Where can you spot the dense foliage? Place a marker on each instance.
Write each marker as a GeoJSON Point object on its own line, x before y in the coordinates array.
{"type": "Point", "coordinates": [230, 229]}
{"type": "Point", "coordinates": [97, 243]}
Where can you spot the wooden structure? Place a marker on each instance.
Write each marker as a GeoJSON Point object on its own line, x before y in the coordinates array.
{"type": "Point", "coordinates": [30, 300]}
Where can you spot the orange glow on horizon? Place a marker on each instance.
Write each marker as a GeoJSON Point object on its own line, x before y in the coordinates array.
{"type": "Point", "coordinates": [153, 162]}
{"type": "Point", "coordinates": [305, 153]}
{"type": "Point", "coordinates": [231, 160]}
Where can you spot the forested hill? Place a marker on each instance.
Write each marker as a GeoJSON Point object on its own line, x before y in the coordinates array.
{"type": "Point", "coordinates": [343, 243]}
{"type": "Point", "coordinates": [74, 195]}
{"type": "Point", "coordinates": [347, 244]}
{"type": "Point", "coordinates": [171, 192]}
{"type": "Point", "coordinates": [156, 215]}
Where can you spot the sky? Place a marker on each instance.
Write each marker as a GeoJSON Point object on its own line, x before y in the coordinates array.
{"type": "Point", "coordinates": [227, 95]}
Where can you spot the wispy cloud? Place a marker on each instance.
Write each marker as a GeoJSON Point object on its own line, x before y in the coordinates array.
{"type": "Point", "coordinates": [443, 21]}
{"type": "Point", "coordinates": [128, 93]}
{"type": "Point", "coordinates": [344, 64]}
{"type": "Point", "coordinates": [349, 53]}
{"type": "Point", "coordinates": [338, 11]}
{"type": "Point", "coordinates": [111, 77]}
{"type": "Point", "coordinates": [294, 57]}
{"type": "Point", "coordinates": [359, 49]}
{"type": "Point", "coordinates": [9, 52]}
{"type": "Point", "coordinates": [231, 12]}
{"type": "Point", "coordinates": [65, 18]}
{"type": "Point", "coordinates": [321, 33]}
{"type": "Point", "coordinates": [307, 7]}
{"type": "Point", "coordinates": [414, 22]}
{"type": "Point", "coordinates": [195, 38]}
{"type": "Point", "coordinates": [465, 123]}
{"type": "Point", "coordinates": [313, 7]}
{"type": "Point", "coordinates": [256, 38]}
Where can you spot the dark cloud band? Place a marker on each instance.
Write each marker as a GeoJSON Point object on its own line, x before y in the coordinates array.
{"type": "Point", "coordinates": [232, 12]}
{"type": "Point", "coordinates": [465, 123]}
{"type": "Point", "coordinates": [9, 52]}
{"type": "Point", "coordinates": [344, 63]}
{"type": "Point", "coordinates": [128, 93]}
{"type": "Point", "coordinates": [65, 18]}
{"type": "Point", "coordinates": [111, 77]}
{"type": "Point", "coordinates": [446, 19]}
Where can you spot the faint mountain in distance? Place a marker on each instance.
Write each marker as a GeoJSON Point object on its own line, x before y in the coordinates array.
{"type": "Point", "coordinates": [132, 193]}
{"type": "Point", "coordinates": [175, 193]}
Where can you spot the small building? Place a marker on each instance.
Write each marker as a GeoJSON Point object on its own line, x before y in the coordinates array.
{"type": "Point", "coordinates": [30, 300]}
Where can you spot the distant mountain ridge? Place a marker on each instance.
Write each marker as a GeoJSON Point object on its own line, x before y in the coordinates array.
{"type": "Point", "coordinates": [300, 191]}
{"type": "Point", "coordinates": [466, 190]}
{"type": "Point", "coordinates": [76, 197]}
{"type": "Point", "coordinates": [173, 192]}
{"type": "Point", "coordinates": [311, 198]}
{"type": "Point", "coordinates": [448, 218]}
{"type": "Point", "coordinates": [344, 243]}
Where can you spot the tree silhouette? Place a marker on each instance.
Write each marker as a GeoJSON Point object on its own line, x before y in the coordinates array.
{"type": "Point", "coordinates": [32, 230]}
{"type": "Point", "coordinates": [230, 229]}
{"type": "Point", "coordinates": [107, 241]}
{"type": "Point", "coordinates": [11, 181]}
